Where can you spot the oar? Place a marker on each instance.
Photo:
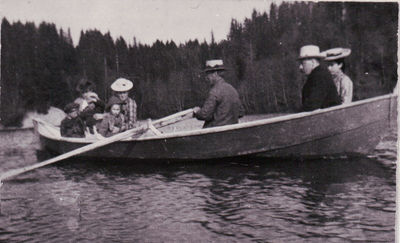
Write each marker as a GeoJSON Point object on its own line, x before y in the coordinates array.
{"type": "Point", "coordinates": [129, 133]}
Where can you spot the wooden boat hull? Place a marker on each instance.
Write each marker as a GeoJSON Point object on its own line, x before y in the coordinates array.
{"type": "Point", "coordinates": [348, 129]}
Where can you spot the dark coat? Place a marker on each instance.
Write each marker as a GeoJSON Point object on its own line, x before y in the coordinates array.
{"type": "Point", "coordinates": [87, 113]}
{"type": "Point", "coordinates": [72, 127]}
{"type": "Point", "coordinates": [319, 91]}
{"type": "Point", "coordinates": [222, 106]}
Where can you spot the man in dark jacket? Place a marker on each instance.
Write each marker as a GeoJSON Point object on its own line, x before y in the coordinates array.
{"type": "Point", "coordinates": [319, 91]}
{"type": "Point", "coordinates": [222, 106]}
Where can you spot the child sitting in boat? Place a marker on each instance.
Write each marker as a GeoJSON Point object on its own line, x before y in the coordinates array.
{"type": "Point", "coordinates": [72, 125]}
{"type": "Point", "coordinates": [88, 114]}
{"type": "Point", "coordinates": [113, 121]}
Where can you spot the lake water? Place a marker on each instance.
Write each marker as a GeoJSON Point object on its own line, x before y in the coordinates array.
{"type": "Point", "coordinates": [330, 200]}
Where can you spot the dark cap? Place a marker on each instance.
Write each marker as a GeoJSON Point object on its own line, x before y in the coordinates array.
{"type": "Point", "coordinates": [112, 101]}
{"type": "Point", "coordinates": [71, 107]}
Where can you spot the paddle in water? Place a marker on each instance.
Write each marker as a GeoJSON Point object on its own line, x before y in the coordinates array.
{"type": "Point", "coordinates": [127, 134]}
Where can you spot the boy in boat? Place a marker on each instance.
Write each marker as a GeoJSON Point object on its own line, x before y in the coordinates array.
{"type": "Point", "coordinates": [222, 106]}
{"type": "Point", "coordinates": [72, 125]}
{"type": "Point", "coordinates": [319, 91]}
{"type": "Point", "coordinates": [113, 121]}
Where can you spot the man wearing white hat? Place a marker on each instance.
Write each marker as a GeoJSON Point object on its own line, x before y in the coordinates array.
{"type": "Point", "coordinates": [222, 106]}
{"type": "Point", "coordinates": [335, 62]}
{"type": "Point", "coordinates": [319, 91]}
{"type": "Point", "coordinates": [121, 87]}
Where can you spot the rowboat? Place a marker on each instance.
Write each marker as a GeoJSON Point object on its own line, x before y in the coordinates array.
{"type": "Point", "coordinates": [349, 129]}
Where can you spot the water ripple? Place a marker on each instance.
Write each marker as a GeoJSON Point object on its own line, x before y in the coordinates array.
{"type": "Point", "coordinates": [340, 200]}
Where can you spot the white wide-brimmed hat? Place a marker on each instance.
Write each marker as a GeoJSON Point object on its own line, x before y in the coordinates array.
{"type": "Point", "coordinates": [91, 96]}
{"type": "Point", "coordinates": [121, 85]}
{"type": "Point", "coordinates": [336, 53]}
{"type": "Point", "coordinates": [214, 65]}
{"type": "Point", "coordinates": [310, 51]}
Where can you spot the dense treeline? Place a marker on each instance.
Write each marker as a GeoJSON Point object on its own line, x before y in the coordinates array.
{"type": "Point", "coordinates": [40, 67]}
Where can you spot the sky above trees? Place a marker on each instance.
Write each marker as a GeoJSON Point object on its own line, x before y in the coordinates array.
{"type": "Point", "coordinates": [147, 20]}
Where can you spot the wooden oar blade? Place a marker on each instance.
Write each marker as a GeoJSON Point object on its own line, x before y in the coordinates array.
{"type": "Point", "coordinates": [75, 152]}
{"type": "Point", "coordinates": [180, 116]}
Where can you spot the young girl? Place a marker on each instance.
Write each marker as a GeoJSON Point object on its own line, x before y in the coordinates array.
{"type": "Point", "coordinates": [113, 122]}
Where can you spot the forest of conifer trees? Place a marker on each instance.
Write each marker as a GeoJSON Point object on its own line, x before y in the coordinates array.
{"type": "Point", "coordinates": [40, 66]}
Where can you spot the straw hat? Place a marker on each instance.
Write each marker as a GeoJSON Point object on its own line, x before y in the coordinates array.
{"type": "Point", "coordinates": [121, 85]}
{"type": "Point", "coordinates": [214, 65]}
{"type": "Point", "coordinates": [336, 53]}
{"type": "Point", "coordinates": [310, 51]}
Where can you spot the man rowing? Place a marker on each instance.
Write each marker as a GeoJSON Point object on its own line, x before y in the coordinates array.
{"type": "Point", "coordinates": [222, 106]}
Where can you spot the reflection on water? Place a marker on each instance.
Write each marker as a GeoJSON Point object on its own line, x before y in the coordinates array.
{"type": "Point", "coordinates": [210, 201]}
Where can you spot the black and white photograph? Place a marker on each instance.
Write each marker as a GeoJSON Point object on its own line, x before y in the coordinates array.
{"type": "Point", "coordinates": [198, 121]}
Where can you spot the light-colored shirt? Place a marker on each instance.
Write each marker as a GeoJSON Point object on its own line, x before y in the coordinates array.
{"type": "Point", "coordinates": [344, 86]}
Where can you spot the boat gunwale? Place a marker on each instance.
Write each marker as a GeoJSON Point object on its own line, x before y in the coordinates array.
{"type": "Point", "coordinates": [219, 129]}
{"type": "Point", "coordinates": [15, 129]}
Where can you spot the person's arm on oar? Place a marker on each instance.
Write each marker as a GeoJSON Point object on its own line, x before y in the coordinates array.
{"type": "Point", "coordinates": [127, 134]}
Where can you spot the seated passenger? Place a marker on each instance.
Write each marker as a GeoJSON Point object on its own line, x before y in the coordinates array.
{"type": "Point", "coordinates": [113, 122]}
{"type": "Point", "coordinates": [335, 62]}
{"type": "Point", "coordinates": [223, 105]}
{"type": "Point", "coordinates": [88, 97]}
{"type": "Point", "coordinates": [93, 107]}
{"type": "Point", "coordinates": [87, 116]}
{"type": "Point", "coordinates": [72, 125]}
{"type": "Point", "coordinates": [319, 91]}
{"type": "Point", "coordinates": [121, 88]}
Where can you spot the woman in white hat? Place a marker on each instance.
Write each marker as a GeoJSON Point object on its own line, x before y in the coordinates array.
{"type": "Point", "coordinates": [336, 66]}
{"type": "Point", "coordinates": [121, 88]}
